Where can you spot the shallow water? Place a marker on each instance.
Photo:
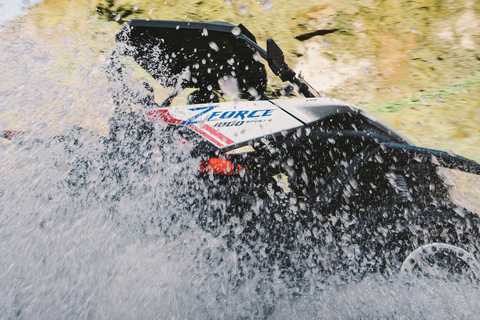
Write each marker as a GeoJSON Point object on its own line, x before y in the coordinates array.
{"type": "Point", "coordinates": [117, 241]}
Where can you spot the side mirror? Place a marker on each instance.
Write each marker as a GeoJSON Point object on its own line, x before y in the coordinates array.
{"type": "Point", "coordinates": [275, 57]}
{"type": "Point", "coordinates": [276, 61]}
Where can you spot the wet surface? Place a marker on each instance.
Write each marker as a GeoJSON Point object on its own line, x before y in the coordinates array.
{"type": "Point", "coordinates": [87, 230]}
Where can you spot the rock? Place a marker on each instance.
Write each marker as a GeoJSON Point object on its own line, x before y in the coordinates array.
{"type": "Point", "coordinates": [467, 27]}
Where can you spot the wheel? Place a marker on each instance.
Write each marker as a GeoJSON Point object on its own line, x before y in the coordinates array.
{"type": "Point", "coordinates": [441, 260]}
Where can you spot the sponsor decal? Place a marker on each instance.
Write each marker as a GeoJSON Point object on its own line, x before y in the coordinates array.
{"type": "Point", "coordinates": [237, 115]}
{"type": "Point", "coordinates": [240, 114]}
{"type": "Point", "coordinates": [221, 119]}
{"type": "Point", "coordinates": [203, 110]}
{"type": "Point", "coordinates": [229, 124]}
{"type": "Point", "coordinates": [205, 130]}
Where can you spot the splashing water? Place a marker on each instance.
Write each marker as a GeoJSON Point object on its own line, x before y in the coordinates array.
{"type": "Point", "coordinates": [90, 229]}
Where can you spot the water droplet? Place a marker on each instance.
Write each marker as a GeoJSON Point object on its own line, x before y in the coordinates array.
{"type": "Point", "coordinates": [253, 92]}
{"type": "Point", "coordinates": [178, 27]}
{"type": "Point", "coordinates": [204, 61]}
{"type": "Point", "coordinates": [239, 230]}
{"type": "Point", "coordinates": [464, 89]}
{"type": "Point", "coordinates": [395, 89]}
{"type": "Point", "coordinates": [205, 32]}
{"type": "Point", "coordinates": [267, 5]}
{"type": "Point", "coordinates": [231, 61]}
{"type": "Point", "coordinates": [135, 7]}
{"type": "Point", "coordinates": [118, 17]}
{"type": "Point", "coordinates": [236, 31]}
{"type": "Point", "coordinates": [243, 9]}
{"type": "Point", "coordinates": [214, 46]}
{"type": "Point", "coordinates": [256, 56]}
{"type": "Point", "coordinates": [229, 2]}
{"type": "Point", "coordinates": [337, 54]}
{"type": "Point", "coordinates": [209, 87]}
{"type": "Point", "coordinates": [413, 30]}
{"type": "Point", "coordinates": [150, 11]}
{"type": "Point", "coordinates": [379, 158]}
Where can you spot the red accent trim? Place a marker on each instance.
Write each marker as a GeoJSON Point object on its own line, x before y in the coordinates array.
{"type": "Point", "coordinates": [161, 114]}
{"type": "Point", "coordinates": [217, 134]}
{"type": "Point", "coordinates": [12, 134]}
{"type": "Point", "coordinates": [204, 134]}
{"type": "Point", "coordinates": [206, 131]}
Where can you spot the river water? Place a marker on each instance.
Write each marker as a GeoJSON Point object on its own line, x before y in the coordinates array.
{"type": "Point", "coordinates": [83, 239]}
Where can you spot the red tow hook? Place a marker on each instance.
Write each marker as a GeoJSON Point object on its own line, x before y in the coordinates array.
{"type": "Point", "coordinates": [220, 167]}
